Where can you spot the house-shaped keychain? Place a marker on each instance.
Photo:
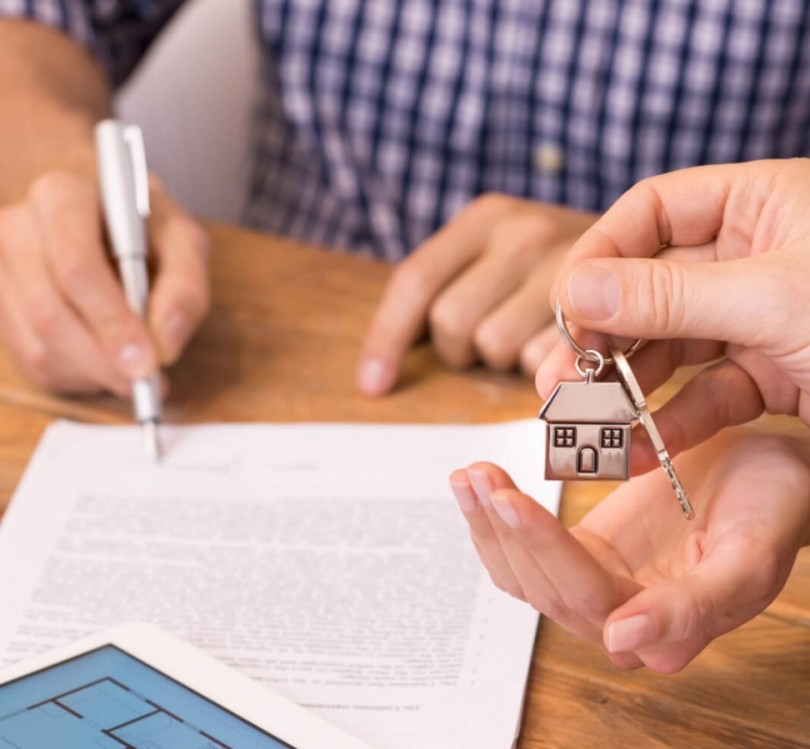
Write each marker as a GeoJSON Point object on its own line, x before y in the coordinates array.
{"type": "Point", "coordinates": [588, 431]}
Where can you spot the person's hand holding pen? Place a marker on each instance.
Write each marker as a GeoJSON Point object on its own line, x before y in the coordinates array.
{"type": "Point", "coordinates": [63, 313]}
{"type": "Point", "coordinates": [124, 181]}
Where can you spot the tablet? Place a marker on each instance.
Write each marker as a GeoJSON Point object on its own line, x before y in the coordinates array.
{"type": "Point", "coordinates": [136, 686]}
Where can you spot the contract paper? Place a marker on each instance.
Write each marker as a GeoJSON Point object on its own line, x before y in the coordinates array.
{"type": "Point", "coordinates": [330, 562]}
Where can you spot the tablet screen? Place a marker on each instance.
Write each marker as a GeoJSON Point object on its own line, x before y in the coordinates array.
{"type": "Point", "coordinates": [107, 699]}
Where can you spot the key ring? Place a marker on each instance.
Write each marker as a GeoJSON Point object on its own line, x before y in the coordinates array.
{"type": "Point", "coordinates": [589, 373]}
{"type": "Point", "coordinates": [591, 355]}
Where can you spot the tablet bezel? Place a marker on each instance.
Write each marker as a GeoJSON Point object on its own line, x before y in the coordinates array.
{"type": "Point", "coordinates": [208, 677]}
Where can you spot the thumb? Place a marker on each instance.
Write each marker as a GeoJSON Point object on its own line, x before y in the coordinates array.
{"type": "Point", "coordinates": [738, 301]}
{"type": "Point", "coordinates": [669, 623]}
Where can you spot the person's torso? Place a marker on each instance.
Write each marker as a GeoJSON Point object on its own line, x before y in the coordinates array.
{"type": "Point", "coordinates": [384, 118]}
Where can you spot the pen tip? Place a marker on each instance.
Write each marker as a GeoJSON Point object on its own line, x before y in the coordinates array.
{"type": "Point", "coordinates": [151, 440]}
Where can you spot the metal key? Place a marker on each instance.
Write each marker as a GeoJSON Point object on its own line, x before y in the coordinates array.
{"type": "Point", "coordinates": [637, 396]}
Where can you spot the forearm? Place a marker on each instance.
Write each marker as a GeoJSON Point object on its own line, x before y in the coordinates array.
{"type": "Point", "coordinates": [51, 94]}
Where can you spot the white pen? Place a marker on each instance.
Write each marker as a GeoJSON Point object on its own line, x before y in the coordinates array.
{"type": "Point", "coordinates": [124, 182]}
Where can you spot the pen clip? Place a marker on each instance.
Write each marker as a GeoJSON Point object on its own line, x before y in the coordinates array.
{"type": "Point", "coordinates": [133, 137]}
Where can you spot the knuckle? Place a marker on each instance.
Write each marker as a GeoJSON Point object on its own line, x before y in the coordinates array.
{"type": "Point", "coordinates": [528, 362]}
{"type": "Point", "coordinates": [117, 326]}
{"type": "Point", "coordinates": [517, 592]}
{"type": "Point", "coordinates": [181, 227]}
{"type": "Point", "coordinates": [53, 187]}
{"type": "Point", "coordinates": [532, 354]}
{"type": "Point", "coordinates": [534, 238]}
{"type": "Point", "coordinates": [72, 272]}
{"type": "Point", "coordinates": [494, 203]}
{"type": "Point", "coordinates": [555, 608]}
{"type": "Point", "coordinates": [410, 279]}
{"type": "Point", "coordinates": [446, 317]}
{"type": "Point", "coordinates": [722, 403]}
{"type": "Point", "coordinates": [194, 298]}
{"type": "Point", "coordinates": [511, 587]}
{"type": "Point", "coordinates": [43, 379]}
{"type": "Point", "coordinates": [660, 298]}
{"type": "Point", "coordinates": [647, 188]}
{"type": "Point", "coordinates": [525, 237]}
{"type": "Point", "coordinates": [37, 362]}
{"type": "Point", "coordinates": [695, 616]}
{"type": "Point", "coordinates": [589, 607]}
{"type": "Point", "coordinates": [44, 316]}
{"type": "Point", "coordinates": [646, 193]}
{"type": "Point", "coordinates": [46, 186]}
{"type": "Point", "coordinates": [494, 348]}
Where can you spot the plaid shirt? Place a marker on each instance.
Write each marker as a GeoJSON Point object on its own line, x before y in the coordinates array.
{"type": "Point", "coordinates": [381, 119]}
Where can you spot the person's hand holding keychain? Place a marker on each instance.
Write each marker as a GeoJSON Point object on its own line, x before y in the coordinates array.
{"type": "Point", "coordinates": [707, 263]}
{"type": "Point", "coordinates": [588, 434]}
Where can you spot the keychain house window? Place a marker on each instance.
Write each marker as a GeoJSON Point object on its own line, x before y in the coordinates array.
{"type": "Point", "coordinates": [612, 437]}
{"type": "Point", "coordinates": [565, 436]}
{"type": "Point", "coordinates": [588, 431]}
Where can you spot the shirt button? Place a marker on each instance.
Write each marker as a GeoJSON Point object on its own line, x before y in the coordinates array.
{"type": "Point", "coordinates": [549, 158]}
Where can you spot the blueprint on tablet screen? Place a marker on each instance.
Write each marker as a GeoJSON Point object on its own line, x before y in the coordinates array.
{"type": "Point", "coordinates": [110, 700]}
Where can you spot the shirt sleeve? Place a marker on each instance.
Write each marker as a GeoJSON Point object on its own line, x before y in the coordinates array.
{"type": "Point", "coordinates": [116, 32]}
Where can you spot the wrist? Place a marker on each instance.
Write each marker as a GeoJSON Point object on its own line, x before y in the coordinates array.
{"type": "Point", "coordinates": [52, 93]}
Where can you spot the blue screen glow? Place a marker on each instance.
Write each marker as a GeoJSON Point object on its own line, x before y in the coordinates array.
{"type": "Point", "coordinates": [107, 699]}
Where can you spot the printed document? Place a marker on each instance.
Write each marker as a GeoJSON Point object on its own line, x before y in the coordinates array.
{"type": "Point", "coordinates": [330, 562]}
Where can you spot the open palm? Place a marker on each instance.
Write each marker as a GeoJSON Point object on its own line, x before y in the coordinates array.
{"type": "Point", "coordinates": [636, 578]}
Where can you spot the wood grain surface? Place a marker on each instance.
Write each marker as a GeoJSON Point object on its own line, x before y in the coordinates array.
{"type": "Point", "coordinates": [280, 344]}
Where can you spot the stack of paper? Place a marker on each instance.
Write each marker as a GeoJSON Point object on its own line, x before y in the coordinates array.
{"type": "Point", "coordinates": [330, 562]}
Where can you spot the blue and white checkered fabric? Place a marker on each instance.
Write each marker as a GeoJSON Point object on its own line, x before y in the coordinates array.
{"type": "Point", "coordinates": [382, 119]}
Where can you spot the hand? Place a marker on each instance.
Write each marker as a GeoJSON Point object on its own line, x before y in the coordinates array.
{"type": "Point", "coordinates": [62, 309]}
{"type": "Point", "coordinates": [636, 578]}
{"type": "Point", "coordinates": [731, 284]}
{"type": "Point", "coordinates": [476, 285]}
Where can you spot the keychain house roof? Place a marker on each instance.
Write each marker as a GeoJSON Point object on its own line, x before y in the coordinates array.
{"type": "Point", "coordinates": [588, 431]}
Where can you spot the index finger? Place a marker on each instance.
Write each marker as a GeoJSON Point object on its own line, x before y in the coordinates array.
{"type": "Point", "coordinates": [402, 314]}
{"type": "Point", "coordinates": [684, 208]}
{"type": "Point", "coordinates": [70, 222]}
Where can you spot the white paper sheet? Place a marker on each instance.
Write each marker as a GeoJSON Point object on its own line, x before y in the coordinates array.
{"type": "Point", "coordinates": [328, 561]}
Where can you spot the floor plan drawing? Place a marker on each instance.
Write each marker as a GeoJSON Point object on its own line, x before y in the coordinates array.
{"type": "Point", "coordinates": [104, 714]}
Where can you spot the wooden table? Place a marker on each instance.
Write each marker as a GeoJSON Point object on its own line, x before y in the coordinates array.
{"type": "Point", "coordinates": [281, 344]}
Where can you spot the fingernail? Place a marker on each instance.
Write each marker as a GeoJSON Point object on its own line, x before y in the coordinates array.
{"type": "Point", "coordinates": [482, 485]}
{"type": "Point", "coordinates": [506, 510]}
{"type": "Point", "coordinates": [628, 634]}
{"type": "Point", "coordinates": [594, 292]}
{"type": "Point", "coordinates": [374, 377]}
{"type": "Point", "coordinates": [464, 496]}
{"type": "Point", "coordinates": [134, 360]}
